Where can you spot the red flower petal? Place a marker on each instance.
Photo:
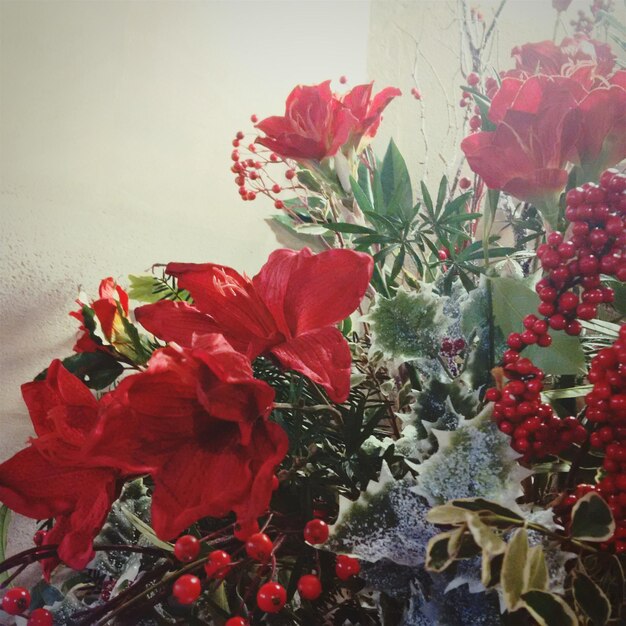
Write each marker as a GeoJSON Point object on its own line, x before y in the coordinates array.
{"type": "Point", "coordinates": [174, 321]}
{"type": "Point", "coordinates": [80, 499]}
{"type": "Point", "coordinates": [228, 298]}
{"type": "Point", "coordinates": [305, 291]}
{"type": "Point", "coordinates": [323, 356]}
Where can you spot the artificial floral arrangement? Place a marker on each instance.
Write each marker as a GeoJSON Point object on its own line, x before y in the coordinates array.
{"type": "Point", "coordinates": [405, 422]}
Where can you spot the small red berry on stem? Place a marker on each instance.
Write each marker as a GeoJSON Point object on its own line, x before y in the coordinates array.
{"type": "Point", "coordinates": [16, 601]}
{"type": "Point", "coordinates": [40, 617]}
{"type": "Point", "coordinates": [309, 587]}
{"type": "Point", "coordinates": [259, 547]}
{"type": "Point", "coordinates": [316, 531]}
{"type": "Point", "coordinates": [186, 589]}
{"type": "Point", "coordinates": [346, 567]}
{"type": "Point", "coordinates": [271, 597]}
{"type": "Point", "coordinates": [217, 565]}
{"type": "Point", "coordinates": [186, 548]}
{"type": "Point", "coordinates": [236, 621]}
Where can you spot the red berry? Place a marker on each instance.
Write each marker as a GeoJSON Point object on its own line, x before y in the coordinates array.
{"type": "Point", "coordinates": [316, 531]}
{"type": "Point", "coordinates": [217, 565]}
{"type": "Point", "coordinates": [279, 204]}
{"type": "Point", "coordinates": [289, 174]}
{"type": "Point", "coordinates": [39, 537]}
{"type": "Point", "coordinates": [343, 80]}
{"type": "Point", "coordinates": [465, 183]}
{"type": "Point", "coordinates": [473, 79]}
{"type": "Point", "coordinates": [186, 548]}
{"type": "Point", "coordinates": [492, 395]}
{"type": "Point", "coordinates": [40, 617]}
{"type": "Point", "coordinates": [187, 589]}
{"type": "Point", "coordinates": [442, 254]}
{"type": "Point", "coordinates": [309, 587]}
{"type": "Point", "coordinates": [16, 601]}
{"type": "Point", "coordinates": [275, 482]}
{"type": "Point", "coordinates": [259, 547]}
{"type": "Point", "coordinates": [254, 119]}
{"type": "Point", "coordinates": [346, 567]}
{"type": "Point", "coordinates": [236, 621]}
{"type": "Point", "coordinates": [271, 597]}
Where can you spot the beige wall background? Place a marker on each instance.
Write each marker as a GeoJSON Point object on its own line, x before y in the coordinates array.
{"type": "Point", "coordinates": [116, 119]}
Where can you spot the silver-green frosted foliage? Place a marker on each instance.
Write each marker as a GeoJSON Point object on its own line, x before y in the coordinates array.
{"type": "Point", "coordinates": [406, 325]}
{"type": "Point", "coordinates": [476, 463]}
{"type": "Point", "coordinates": [390, 524]}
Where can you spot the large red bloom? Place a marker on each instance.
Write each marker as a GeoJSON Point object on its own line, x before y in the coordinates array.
{"type": "Point", "coordinates": [288, 309]}
{"type": "Point", "coordinates": [52, 477]}
{"type": "Point", "coordinates": [537, 125]}
{"type": "Point", "coordinates": [315, 124]}
{"type": "Point", "coordinates": [198, 421]}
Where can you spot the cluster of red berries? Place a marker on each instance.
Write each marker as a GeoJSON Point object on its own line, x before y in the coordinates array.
{"type": "Point", "coordinates": [17, 600]}
{"type": "Point", "coordinates": [606, 410]}
{"type": "Point", "coordinates": [597, 246]}
{"type": "Point", "coordinates": [271, 596]}
{"type": "Point", "coordinates": [251, 174]}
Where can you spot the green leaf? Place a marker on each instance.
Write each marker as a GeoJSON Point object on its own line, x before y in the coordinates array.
{"type": "Point", "coordinates": [591, 599]}
{"type": "Point", "coordinates": [447, 514]}
{"type": "Point", "coordinates": [491, 569]}
{"type": "Point", "coordinates": [592, 519]}
{"type": "Point", "coordinates": [5, 520]}
{"type": "Point", "coordinates": [308, 180]}
{"type": "Point", "coordinates": [485, 537]}
{"type": "Point", "coordinates": [152, 288]}
{"type": "Point", "coordinates": [147, 531]}
{"type": "Point", "coordinates": [377, 192]}
{"type": "Point", "coordinates": [512, 301]}
{"type": "Point", "coordinates": [482, 505]}
{"type": "Point", "coordinates": [395, 181]}
{"type": "Point", "coordinates": [536, 574]}
{"type": "Point", "coordinates": [96, 369]}
{"type": "Point", "coordinates": [441, 550]}
{"type": "Point", "coordinates": [345, 227]}
{"type": "Point", "coordinates": [362, 199]}
{"type": "Point", "coordinates": [512, 575]}
{"type": "Point", "coordinates": [549, 609]}
{"type": "Point", "coordinates": [441, 193]}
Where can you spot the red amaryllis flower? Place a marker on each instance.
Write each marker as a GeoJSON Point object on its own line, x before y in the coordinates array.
{"type": "Point", "coordinates": [537, 125]}
{"type": "Point", "coordinates": [198, 420]}
{"type": "Point", "coordinates": [588, 61]}
{"type": "Point", "coordinates": [367, 111]}
{"type": "Point", "coordinates": [315, 124]}
{"type": "Point", "coordinates": [52, 478]}
{"type": "Point", "coordinates": [602, 140]}
{"type": "Point", "coordinates": [288, 310]}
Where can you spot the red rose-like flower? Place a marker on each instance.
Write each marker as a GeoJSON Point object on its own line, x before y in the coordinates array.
{"type": "Point", "coordinates": [602, 140]}
{"type": "Point", "coordinates": [586, 60]}
{"type": "Point", "coordinates": [537, 125]}
{"type": "Point", "coordinates": [198, 420]}
{"type": "Point", "coordinates": [367, 111]}
{"type": "Point", "coordinates": [107, 311]}
{"type": "Point", "coordinates": [52, 477]}
{"type": "Point", "coordinates": [288, 309]}
{"type": "Point", "coordinates": [315, 124]}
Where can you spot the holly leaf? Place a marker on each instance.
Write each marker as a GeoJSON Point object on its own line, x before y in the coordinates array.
{"type": "Point", "coordinates": [512, 575]}
{"type": "Point", "coordinates": [548, 609]}
{"type": "Point", "coordinates": [591, 599]}
{"type": "Point", "coordinates": [592, 519]}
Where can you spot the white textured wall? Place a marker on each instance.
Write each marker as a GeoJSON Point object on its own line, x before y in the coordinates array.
{"type": "Point", "coordinates": [115, 126]}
